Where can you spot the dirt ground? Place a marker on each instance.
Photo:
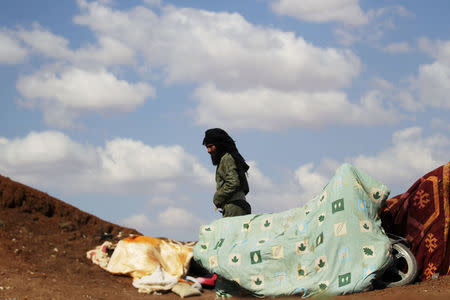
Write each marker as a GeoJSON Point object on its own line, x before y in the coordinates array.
{"type": "Point", "coordinates": [43, 244]}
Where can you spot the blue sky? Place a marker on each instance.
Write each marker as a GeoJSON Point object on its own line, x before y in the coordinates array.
{"type": "Point", "coordinates": [105, 103]}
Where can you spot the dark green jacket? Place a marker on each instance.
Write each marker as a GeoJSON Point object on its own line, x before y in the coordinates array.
{"type": "Point", "coordinates": [228, 186]}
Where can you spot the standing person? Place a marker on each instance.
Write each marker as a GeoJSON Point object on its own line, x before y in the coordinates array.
{"type": "Point", "coordinates": [231, 180]}
{"type": "Point", "coordinates": [231, 188]}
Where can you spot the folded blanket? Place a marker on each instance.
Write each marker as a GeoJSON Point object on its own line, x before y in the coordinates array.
{"type": "Point", "coordinates": [334, 244]}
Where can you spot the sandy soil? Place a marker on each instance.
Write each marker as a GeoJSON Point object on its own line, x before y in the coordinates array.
{"type": "Point", "coordinates": [43, 244]}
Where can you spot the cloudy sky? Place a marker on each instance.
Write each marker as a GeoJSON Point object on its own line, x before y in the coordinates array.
{"type": "Point", "coordinates": [104, 103]}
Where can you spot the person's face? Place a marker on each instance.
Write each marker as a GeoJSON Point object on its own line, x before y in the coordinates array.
{"type": "Point", "coordinates": [211, 149]}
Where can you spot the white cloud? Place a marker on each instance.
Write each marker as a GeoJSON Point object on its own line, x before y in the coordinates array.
{"type": "Point", "coordinates": [76, 81]}
{"type": "Point", "coordinates": [184, 219]}
{"type": "Point", "coordinates": [311, 182]}
{"type": "Point", "coordinates": [398, 47]}
{"type": "Point", "coordinates": [126, 160]}
{"type": "Point", "coordinates": [302, 185]}
{"type": "Point", "coordinates": [409, 102]}
{"type": "Point", "coordinates": [401, 97]}
{"type": "Point", "coordinates": [379, 21]}
{"type": "Point", "coordinates": [45, 42]}
{"type": "Point", "coordinates": [11, 51]}
{"type": "Point", "coordinates": [109, 51]}
{"type": "Point", "coordinates": [46, 154]}
{"type": "Point", "coordinates": [391, 10]}
{"type": "Point", "coordinates": [433, 80]}
{"type": "Point", "coordinates": [82, 89]}
{"type": "Point", "coordinates": [174, 222]}
{"type": "Point", "coordinates": [223, 48]}
{"type": "Point", "coordinates": [343, 11]}
{"type": "Point", "coordinates": [256, 179]}
{"type": "Point", "coordinates": [434, 84]}
{"type": "Point", "coordinates": [268, 109]}
{"type": "Point", "coordinates": [410, 156]}
{"type": "Point", "coordinates": [51, 159]}
{"type": "Point", "coordinates": [64, 94]}
{"type": "Point", "coordinates": [140, 222]}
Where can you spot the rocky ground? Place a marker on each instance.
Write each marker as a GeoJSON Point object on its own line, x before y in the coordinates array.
{"type": "Point", "coordinates": [43, 244]}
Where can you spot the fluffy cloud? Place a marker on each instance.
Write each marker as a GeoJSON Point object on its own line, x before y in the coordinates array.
{"type": "Point", "coordinates": [434, 84]}
{"type": "Point", "coordinates": [378, 22]}
{"type": "Point", "coordinates": [298, 187]}
{"type": "Point", "coordinates": [106, 52]}
{"type": "Point", "coordinates": [256, 179]}
{"type": "Point", "coordinates": [439, 49]}
{"type": "Point", "coordinates": [311, 182]}
{"type": "Point", "coordinates": [433, 80]}
{"type": "Point", "coordinates": [82, 89]}
{"type": "Point", "coordinates": [185, 219]}
{"type": "Point", "coordinates": [11, 51]}
{"type": "Point", "coordinates": [223, 48]}
{"type": "Point", "coordinates": [140, 222]}
{"type": "Point", "coordinates": [48, 153]}
{"type": "Point", "coordinates": [343, 11]}
{"type": "Point", "coordinates": [269, 109]}
{"type": "Point", "coordinates": [184, 229]}
{"type": "Point", "coordinates": [51, 159]}
{"type": "Point", "coordinates": [75, 81]}
{"type": "Point", "coordinates": [44, 42]}
{"type": "Point", "coordinates": [76, 89]}
{"type": "Point", "coordinates": [302, 185]}
{"type": "Point", "coordinates": [410, 156]}
{"type": "Point", "coordinates": [401, 97]}
{"type": "Point", "coordinates": [126, 160]}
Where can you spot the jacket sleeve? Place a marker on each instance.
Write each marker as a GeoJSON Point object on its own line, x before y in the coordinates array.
{"type": "Point", "coordinates": [231, 185]}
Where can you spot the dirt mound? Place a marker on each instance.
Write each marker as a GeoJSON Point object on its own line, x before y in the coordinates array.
{"type": "Point", "coordinates": [43, 244]}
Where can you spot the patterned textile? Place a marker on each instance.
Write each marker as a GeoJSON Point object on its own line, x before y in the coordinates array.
{"type": "Point", "coordinates": [422, 216]}
{"type": "Point", "coordinates": [334, 244]}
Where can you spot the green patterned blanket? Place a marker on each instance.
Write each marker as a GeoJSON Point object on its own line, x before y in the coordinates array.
{"type": "Point", "coordinates": [334, 244]}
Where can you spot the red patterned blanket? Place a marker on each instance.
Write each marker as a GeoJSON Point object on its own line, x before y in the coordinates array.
{"type": "Point", "coordinates": [422, 216]}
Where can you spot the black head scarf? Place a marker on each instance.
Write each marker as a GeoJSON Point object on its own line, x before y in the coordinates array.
{"type": "Point", "coordinates": [225, 144]}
